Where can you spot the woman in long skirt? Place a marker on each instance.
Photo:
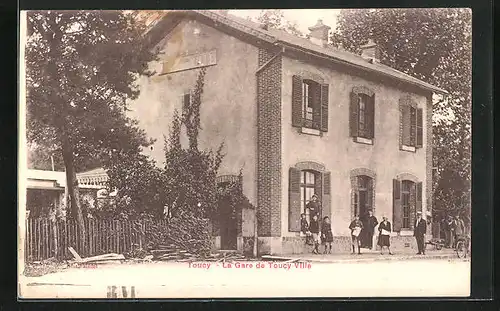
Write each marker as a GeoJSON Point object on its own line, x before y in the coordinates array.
{"type": "Point", "coordinates": [384, 229]}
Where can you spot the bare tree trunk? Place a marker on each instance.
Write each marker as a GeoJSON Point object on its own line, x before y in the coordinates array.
{"type": "Point", "coordinates": [73, 192]}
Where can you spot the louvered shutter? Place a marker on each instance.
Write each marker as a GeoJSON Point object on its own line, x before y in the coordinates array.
{"type": "Point", "coordinates": [406, 124]}
{"type": "Point", "coordinates": [353, 114]}
{"type": "Point", "coordinates": [297, 101]}
{"type": "Point", "coordinates": [418, 206]}
{"type": "Point", "coordinates": [413, 205]}
{"type": "Point", "coordinates": [413, 126]}
{"type": "Point", "coordinates": [397, 213]}
{"type": "Point", "coordinates": [420, 133]}
{"type": "Point", "coordinates": [318, 190]}
{"type": "Point", "coordinates": [294, 200]}
{"type": "Point", "coordinates": [327, 209]}
{"type": "Point", "coordinates": [370, 194]}
{"type": "Point", "coordinates": [370, 117]}
{"type": "Point", "coordinates": [324, 107]}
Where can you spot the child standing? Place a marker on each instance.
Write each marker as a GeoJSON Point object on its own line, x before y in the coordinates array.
{"type": "Point", "coordinates": [314, 228]}
{"type": "Point", "coordinates": [356, 226]}
{"type": "Point", "coordinates": [326, 234]}
{"type": "Point", "coordinates": [304, 228]}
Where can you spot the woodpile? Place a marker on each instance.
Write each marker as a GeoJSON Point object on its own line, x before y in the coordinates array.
{"type": "Point", "coordinates": [171, 252]}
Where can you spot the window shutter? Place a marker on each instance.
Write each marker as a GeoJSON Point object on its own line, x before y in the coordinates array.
{"type": "Point", "coordinates": [353, 114]}
{"type": "Point", "coordinates": [297, 101]}
{"type": "Point", "coordinates": [370, 116]}
{"type": "Point", "coordinates": [318, 190]}
{"type": "Point", "coordinates": [294, 200]}
{"type": "Point", "coordinates": [420, 133]}
{"type": "Point", "coordinates": [418, 206]}
{"type": "Point", "coordinates": [316, 97]}
{"type": "Point", "coordinates": [324, 107]}
{"type": "Point", "coordinates": [405, 124]}
{"type": "Point", "coordinates": [370, 193]}
{"type": "Point", "coordinates": [397, 213]}
{"type": "Point", "coordinates": [413, 126]}
{"type": "Point", "coordinates": [326, 204]}
{"type": "Point", "coordinates": [413, 205]}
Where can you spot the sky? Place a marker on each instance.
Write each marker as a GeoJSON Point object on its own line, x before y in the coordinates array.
{"type": "Point", "coordinates": [305, 18]}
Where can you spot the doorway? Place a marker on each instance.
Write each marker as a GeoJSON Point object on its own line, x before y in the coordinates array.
{"type": "Point", "coordinates": [227, 223]}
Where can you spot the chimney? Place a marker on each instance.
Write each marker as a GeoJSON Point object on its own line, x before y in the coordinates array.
{"type": "Point", "coordinates": [371, 52]}
{"type": "Point", "coordinates": [319, 33]}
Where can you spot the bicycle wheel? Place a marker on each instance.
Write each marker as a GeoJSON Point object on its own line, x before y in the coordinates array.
{"type": "Point", "coordinates": [461, 249]}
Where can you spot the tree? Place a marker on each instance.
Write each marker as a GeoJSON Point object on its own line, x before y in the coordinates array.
{"type": "Point", "coordinates": [81, 68]}
{"type": "Point", "coordinates": [276, 19]}
{"type": "Point", "coordinates": [435, 46]}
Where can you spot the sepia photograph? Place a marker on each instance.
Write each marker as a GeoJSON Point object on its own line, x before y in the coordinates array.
{"type": "Point", "coordinates": [245, 153]}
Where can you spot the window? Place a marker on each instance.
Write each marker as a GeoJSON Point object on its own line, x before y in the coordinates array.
{"type": "Point", "coordinates": [363, 195]}
{"type": "Point", "coordinates": [186, 101]}
{"type": "Point", "coordinates": [411, 125]}
{"type": "Point", "coordinates": [309, 104]}
{"type": "Point", "coordinates": [307, 190]}
{"type": "Point", "coordinates": [362, 115]}
{"type": "Point", "coordinates": [305, 180]}
{"type": "Point", "coordinates": [407, 200]}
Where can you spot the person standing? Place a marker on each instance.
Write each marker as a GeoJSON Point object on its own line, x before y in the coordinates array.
{"type": "Point", "coordinates": [450, 231]}
{"type": "Point", "coordinates": [304, 229]}
{"type": "Point", "coordinates": [326, 234]}
{"type": "Point", "coordinates": [384, 229]}
{"type": "Point", "coordinates": [459, 228]}
{"type": "Point", "coordinates": [314, 228]}
{"type": "Point", "coordinates": [314, 206]}
{"type": "Point", "coordinates": [419, 231]}
{"type": "Point", "coordinates": [369, 224]}
{"type": "Point", "coordinates": [356, 226]}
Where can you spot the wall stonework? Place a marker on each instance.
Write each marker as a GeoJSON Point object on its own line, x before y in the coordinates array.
{"type": "Point", "coordinates": [269, 143]}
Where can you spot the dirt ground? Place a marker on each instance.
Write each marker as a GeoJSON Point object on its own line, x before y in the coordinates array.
{"type": "Point", "coordinates": [257, 279]}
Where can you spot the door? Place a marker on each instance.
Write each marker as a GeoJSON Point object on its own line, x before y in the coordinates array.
{"type": "Point", "coordinates": [228, 225]}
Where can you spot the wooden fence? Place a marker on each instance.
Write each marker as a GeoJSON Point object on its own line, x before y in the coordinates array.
{"type": "Point", "coordinates": [46, 239]}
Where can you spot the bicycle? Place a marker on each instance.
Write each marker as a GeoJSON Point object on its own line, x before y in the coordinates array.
{"type": "Point", "coordinates": [462, 246]}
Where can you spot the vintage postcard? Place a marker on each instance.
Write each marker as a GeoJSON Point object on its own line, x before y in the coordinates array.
{"type": "Point", "coordinates": [245, 153]}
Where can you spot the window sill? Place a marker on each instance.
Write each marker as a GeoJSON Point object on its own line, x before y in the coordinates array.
{"type": "Point", "coordinates": [310, 131]}
{"type": "Point", "coordinates": [362, 140]}
{"type": "Point", "coordinates": [408, 148]}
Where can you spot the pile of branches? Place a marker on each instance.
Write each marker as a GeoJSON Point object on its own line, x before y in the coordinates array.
{"type": "Point", "coordinates": [184, 236]}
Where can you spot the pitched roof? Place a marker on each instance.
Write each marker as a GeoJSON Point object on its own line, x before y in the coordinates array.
{"type": "Point", "coordinates": [276, 36]}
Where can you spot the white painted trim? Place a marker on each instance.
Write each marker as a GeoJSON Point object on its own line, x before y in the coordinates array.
{"type": "Point", "coordinates": [408, 148]}
{"type": "Point", "coordinates": [362, 140]}
{"type": "Point", "coordinates": [305, 130]}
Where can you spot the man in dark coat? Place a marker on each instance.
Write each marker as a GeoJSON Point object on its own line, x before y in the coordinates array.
{"type": "Point", "coordinates": [419, 231]}
{"type": "Point", "coordinates": [369, 224]}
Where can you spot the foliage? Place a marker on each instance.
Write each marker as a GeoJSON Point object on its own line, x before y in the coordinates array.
{"type": "Point", "coordinates": [190, 173]}
{"type": "Point", "coordinates": [81, 68]}
{"type": "Point", "coordinates": [276, 19]}
{"type": "Point", "coordinates": [435, 46]}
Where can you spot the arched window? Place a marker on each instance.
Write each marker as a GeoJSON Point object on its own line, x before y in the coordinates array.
{"type": "Point", "coordinates": [362, 113]}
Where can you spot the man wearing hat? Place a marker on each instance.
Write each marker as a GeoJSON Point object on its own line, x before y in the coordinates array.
{"type": "Point", "coordinates": [419, 231]}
